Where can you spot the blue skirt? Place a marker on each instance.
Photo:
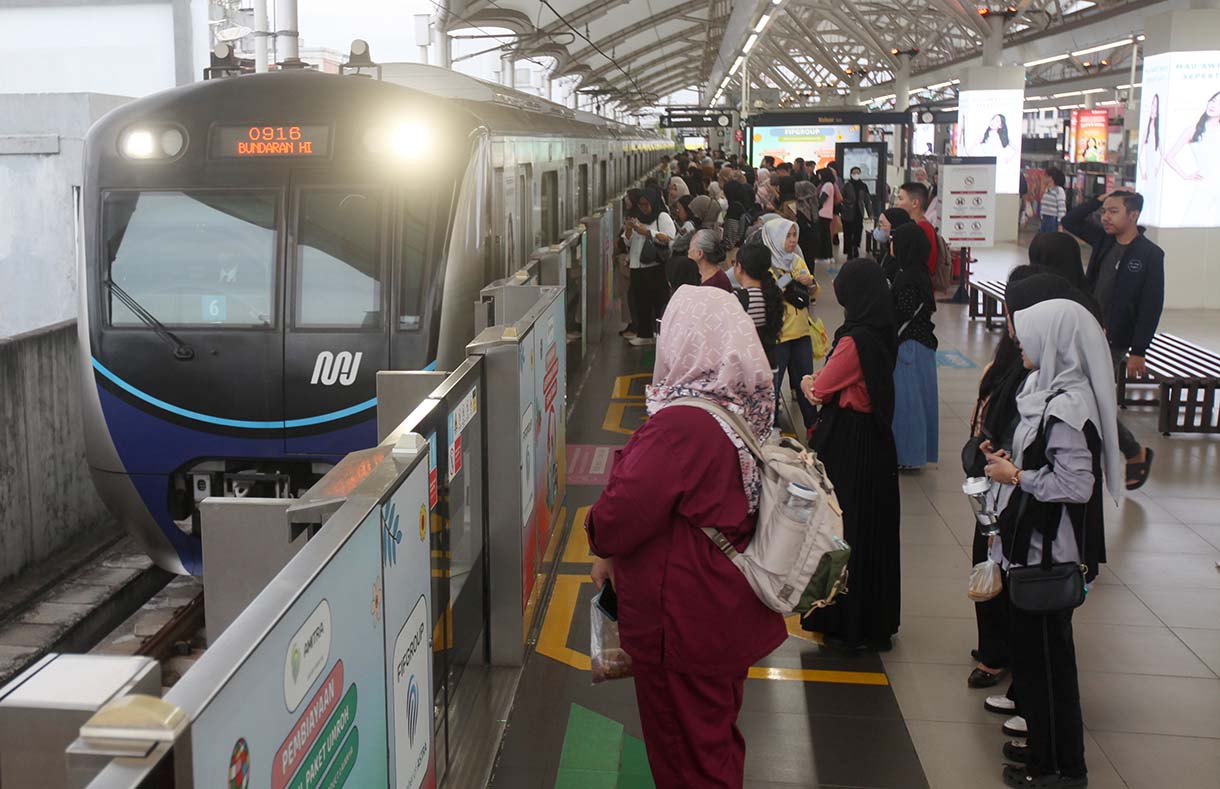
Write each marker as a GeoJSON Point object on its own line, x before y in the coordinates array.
{"type": "Point", "coordinates": [916, 405]}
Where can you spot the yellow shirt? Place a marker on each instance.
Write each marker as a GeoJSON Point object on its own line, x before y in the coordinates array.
{"type": "Point", "coordinates": [796, 321]}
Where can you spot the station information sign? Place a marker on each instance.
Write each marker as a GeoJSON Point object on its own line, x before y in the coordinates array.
{"type": "Point", "coordinates": [968, 204]}
{"type": "Point", "coordinates": [260, 141]}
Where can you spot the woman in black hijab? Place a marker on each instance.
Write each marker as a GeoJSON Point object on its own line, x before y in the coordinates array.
{"type": "Point", "coordinates": [853, 438]}
{"type": "Point", "coordinates": [917, 399]}
{"type": "Point", "coordinates": [890, 220]}
{"type": "Point", "coordinates": [1060, 253]}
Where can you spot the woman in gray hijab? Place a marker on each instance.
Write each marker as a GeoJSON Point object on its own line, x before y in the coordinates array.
{"type": "Point", "coordinates": [1050, 497]}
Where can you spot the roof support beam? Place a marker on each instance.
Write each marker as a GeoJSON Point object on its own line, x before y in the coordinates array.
{"type": "Point", "coordinates": [861, 33]}
{"type": "Point", "coordinates": [632, 28]}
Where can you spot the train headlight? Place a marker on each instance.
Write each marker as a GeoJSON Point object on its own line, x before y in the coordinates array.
{"type": "Point", "coordinates": [139, 144]}
{"type": "Point", "coordinates": [410, 140]}
{"type": "Point", "coordinates": [164, 141]}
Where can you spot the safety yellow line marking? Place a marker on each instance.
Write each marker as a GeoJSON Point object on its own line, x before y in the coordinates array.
{"type": "Point", "coordinates": [553, 642]}
{"type": "Point", "coordinates": [614, 419]}
{"type": "Point", "coordinates": [622, 386]}
{"type": "Point", "coordinates": [577, 549]}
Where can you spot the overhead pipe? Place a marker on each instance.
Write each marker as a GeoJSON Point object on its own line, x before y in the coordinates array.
{"type": "Point", "coordinates": [260, 36]}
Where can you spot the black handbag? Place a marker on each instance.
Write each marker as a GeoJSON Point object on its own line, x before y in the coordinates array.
{"type": "Point", "coordinates": [652, 253]}
{"type": "Point", "coordinates": [797, 295]}
{"type": "Point", "coordinates": [973, 460]}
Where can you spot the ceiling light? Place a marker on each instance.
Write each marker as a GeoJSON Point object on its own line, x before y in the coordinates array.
{"type": "Point", "coordinates": [1093, 90]}
{"type": "Point", "coordinates": [1069, 93]}
{"type": "Point", "coordinates": [762, 23]}
{"type": "Point", "coordinates": [750, 42]}
{"type": "Point", "coordinates": [736, 65]}
{"type": "Point", "coordinates": [940, 85]}
{"type": "Point", "coordinates": [1036, 98]}
{"type": "Point", "coordinates": [1100, 47]}
{"type": "Point", "coordinates": [1044, 61]}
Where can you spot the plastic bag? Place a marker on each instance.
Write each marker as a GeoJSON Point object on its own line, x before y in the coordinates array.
{"type": "Point", "coordinates": [821, 340]}
{"type": "Point", "coordinates": [609, 659]}
{"type": "Point", "coordinates": [985, 582]}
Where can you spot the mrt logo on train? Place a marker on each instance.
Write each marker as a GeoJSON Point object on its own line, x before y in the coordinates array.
{"type": "Point", "coordinates": [330, 368]}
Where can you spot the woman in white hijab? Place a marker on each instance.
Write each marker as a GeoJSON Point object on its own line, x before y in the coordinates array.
{"type": "Point", "coordinates": [1050, 494]}
{"type": "Point", "coordinates": [794, 352]}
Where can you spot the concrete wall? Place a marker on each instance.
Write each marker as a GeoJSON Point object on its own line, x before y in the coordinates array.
{"type": "Point", "coordinates": [47, 498]}
{"type": "Point", "coordinates": [41, 160]}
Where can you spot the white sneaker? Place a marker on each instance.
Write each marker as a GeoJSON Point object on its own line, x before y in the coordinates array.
{"type": "Point", "coordinates": [1015, 727]}
{"type": "Point", "coordinates": [638, 341]}
{"type": "Point", "coordinates": [1001, 704]}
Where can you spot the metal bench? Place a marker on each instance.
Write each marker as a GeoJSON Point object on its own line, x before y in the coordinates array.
{"type": "Point", "coordinates": [987, 301]}
{"type": "Point", "coordinates": [1187, 381]}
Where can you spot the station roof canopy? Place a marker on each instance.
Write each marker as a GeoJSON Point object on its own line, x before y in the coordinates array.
{"type": "Point", "coordinates": [634, 52]}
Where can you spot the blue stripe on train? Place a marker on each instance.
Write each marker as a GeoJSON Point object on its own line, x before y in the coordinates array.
{"type": "Point", "coordinates": [224, 422]}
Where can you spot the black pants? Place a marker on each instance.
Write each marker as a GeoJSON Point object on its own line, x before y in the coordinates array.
{"type": "Point", "coordinates": [853, 232]}
{"type": "Point", "coordinates": [1048, 694]}
{"type": "Point", "coordinates": [648, 295]}
{"type": "Point", "coordinates": [1128, 444]}
{"type": "Point", "coordinates": [991, 617]}
{"type": "Point", "coordinates": [794, 357]}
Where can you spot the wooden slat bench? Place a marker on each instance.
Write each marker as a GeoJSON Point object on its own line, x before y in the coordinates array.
{"type": "Point", "coordinates": [1187, 377]}
{"type": "Point", "coordinates": [987, 301]}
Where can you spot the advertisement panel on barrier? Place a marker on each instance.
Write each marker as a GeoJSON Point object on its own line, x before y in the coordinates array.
{"type": "Point", "coordinates": [608, 236]}
{"type": "Point", "coordinates": [968, 203]}
{"type": "Point", "coordinates": [989, 124]}
{"type": "Point", "coordinates": [406, 568]}
{"type": "Point", "coordinates": [811, 143]}
{"type": "Point", "coordinates": [322, 721]}
{"type": "Point", "coordinates": [1090, 135]}
{"type": "Point", "coordinates": [1178, 170]}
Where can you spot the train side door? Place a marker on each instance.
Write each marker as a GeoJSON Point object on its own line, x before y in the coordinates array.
{"type": "Point", "coordinates": [337, 306]}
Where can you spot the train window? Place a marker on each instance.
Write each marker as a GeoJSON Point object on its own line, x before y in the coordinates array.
{"type": "Point", "coordinates": [339, 259]}
{"type": "Point", "coordinates": [603, 196]}
{"type": "Point", "coordinates": [192, 258]}
{"type": "Point", "coordinates": [414, 257]}
{"type": "Point", "coordinates": [582, 190]}
{"type": "Point", "coordinates": [550, 207]}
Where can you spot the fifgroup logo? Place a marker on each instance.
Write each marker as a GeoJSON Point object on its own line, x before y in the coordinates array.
{"type": "Point", "coordinates": [391, 533]}
{"type": "Point", "coordinates": [331, 368]}
{"type": "Point", "coordinates": [412, 709]}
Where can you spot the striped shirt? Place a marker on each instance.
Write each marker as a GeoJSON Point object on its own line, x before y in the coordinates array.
{"type": "Point", "coordinates": [757, 309]}
{"type": "Point", "coordinates": [1054, 202]}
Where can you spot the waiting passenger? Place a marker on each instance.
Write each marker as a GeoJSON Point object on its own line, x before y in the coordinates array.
{"type": "Point", "coordinates": [857, 205]}
{"type": "Point", "coordinates": [648, 237]}
{"type": "Point", "coordinates": [1050, 495]}
{"type": "Point", "coordinates": [687, 617]}
{"type": "Point", "coordinates": [677, 190]}
{"type": "Point", "coordinates": [739, 198]}
{"type": "Point", "coordinates": [807, 217]}
{"type": "Point", "coordinates": [794, 353]}
{"type": "Point", "coordinates": [853, 438]}
{"type": "Point", "coordinates": [708, 253]}
{"type": "Point", "coordinates": [823, 245]}
{"type": "Point", "coordinates": [683, 216]}
{"type": "Point", "coordinates": [917, 402]}
{"type": "Point", "coordinates": [913, 198]}
{"type": "Point", "coordinates": [622, 271]}
{"type": "Point", "coordinates": [761, 298]}
{"type": "Point", "coordinates": [705, 212]}
{"type": "Point", "coordinates": [890, 220]}
{"type": "Point", "coordinates": [1053, 204]}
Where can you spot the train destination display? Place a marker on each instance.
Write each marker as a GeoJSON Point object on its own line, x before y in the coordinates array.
{"type": "Point", "coordinates": [236, 142]}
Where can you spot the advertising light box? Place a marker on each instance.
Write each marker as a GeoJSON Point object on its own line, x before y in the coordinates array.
{"type": "Point", "coordinates": [1178, 170]}
{"type": "Point", "coordinates": [811, 143]}
{"type": "Point", "coordinates": [1090, 135]}
{"type": "Point", "coordinates": [989, 124]}
{"type": "Point", "coordinates": [923, 140]}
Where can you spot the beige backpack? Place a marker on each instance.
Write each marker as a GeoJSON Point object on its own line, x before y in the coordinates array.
{"type": "Point", "coordinates": [797, 560]}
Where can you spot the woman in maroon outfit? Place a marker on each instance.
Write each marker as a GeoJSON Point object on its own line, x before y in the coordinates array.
{"type": "Point", "coordinates": [687, 617]}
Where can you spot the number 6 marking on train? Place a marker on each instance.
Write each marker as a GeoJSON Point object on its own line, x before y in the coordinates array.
{"type": "Point", "coordinates": [330, 368]}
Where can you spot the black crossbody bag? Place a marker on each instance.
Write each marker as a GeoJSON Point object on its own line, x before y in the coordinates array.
{"type": "Point", "coordinates": [1048, 587]}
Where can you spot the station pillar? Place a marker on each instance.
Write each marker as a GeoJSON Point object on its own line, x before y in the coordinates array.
{"type": "Point", "coordinates": [508, 71]}
{"type": "Point", "coordinates": [1179, 74]}
{"type": "Point", "coordinates": [987, 92]}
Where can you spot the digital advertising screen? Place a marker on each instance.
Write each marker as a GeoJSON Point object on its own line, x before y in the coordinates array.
{"type": "Point", "coordinates": [1090, 135]}
{"type": "Point", "coordinates": [923, 140]}
{"type": "Point", "coordinates": [694, 143]}
{"type": "Point", "coordinates": [989, 124]}
{"type": "Point", "coordinates": [1178, 166]}
{"type": "Point", "coordinates": [811, 143]}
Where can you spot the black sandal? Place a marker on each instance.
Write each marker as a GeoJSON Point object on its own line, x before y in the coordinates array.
{"type": "Point", "coordinates": [985, 679]}
{"type": "Point", "coordinates": [1015, 776]}
{"type": "Point", "coordinates": [1137, 473]}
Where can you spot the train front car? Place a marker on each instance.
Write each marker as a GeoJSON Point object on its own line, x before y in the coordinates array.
{"type": "Point", "coordinates": [255, 250]}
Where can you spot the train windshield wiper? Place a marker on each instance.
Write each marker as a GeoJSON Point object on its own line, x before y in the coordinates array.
{"type": "Point", "coordinates": [182, 351]}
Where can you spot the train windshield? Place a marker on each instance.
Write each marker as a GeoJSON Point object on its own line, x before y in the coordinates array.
{"type": "Point", "coordinates": [193, 258]}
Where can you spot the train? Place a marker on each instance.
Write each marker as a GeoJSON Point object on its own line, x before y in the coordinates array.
{"type": "Point", "coordinates": [254, 248]}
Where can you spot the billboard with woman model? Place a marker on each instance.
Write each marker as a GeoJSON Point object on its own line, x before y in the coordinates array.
{"type": "Point", "coordinates": [1178, 169]}
{"type": "Point", "coordinates": [989, 124]}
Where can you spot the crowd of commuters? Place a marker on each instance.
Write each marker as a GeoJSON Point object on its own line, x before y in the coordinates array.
{"type": "Point", "coordinates": [1045, 432]}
